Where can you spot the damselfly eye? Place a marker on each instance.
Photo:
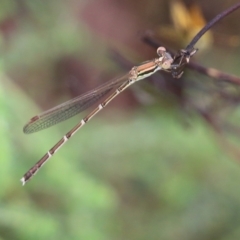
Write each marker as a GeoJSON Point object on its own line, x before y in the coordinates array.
{"type": "Point", "coordinates": [161, 51]}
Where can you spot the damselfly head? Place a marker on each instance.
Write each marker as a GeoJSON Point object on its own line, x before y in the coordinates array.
{"type": "Point", "coordinates": [165, 58]}
{"type": "Point", "coordinates": [161, 51]}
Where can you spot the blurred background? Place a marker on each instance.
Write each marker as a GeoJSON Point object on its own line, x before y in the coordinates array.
{"type": "Point", "coordinates": [147, 167]}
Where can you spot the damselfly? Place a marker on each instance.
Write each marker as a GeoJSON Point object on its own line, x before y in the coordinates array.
{"type": "Point", "coordinates": [72, 107]}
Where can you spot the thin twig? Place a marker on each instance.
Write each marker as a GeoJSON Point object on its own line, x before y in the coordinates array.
{"type": "Point", "coordinates": [210, 24]}
{"type": "Point", "coordinates": [214, 73]}
{"type": "Point", "coordinates": [211, 72]}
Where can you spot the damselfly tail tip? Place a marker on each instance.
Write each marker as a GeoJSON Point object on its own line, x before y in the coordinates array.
{"type": "Point", "coordinates": [23, 181]}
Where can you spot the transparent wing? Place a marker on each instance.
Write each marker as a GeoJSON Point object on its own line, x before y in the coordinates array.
{"type": "Point", "coordinates": [72, 107]}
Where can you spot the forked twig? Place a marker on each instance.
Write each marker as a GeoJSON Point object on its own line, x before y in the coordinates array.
{"type": "Point", "coordinates": [220, 16]}
{"type": "Point", "coordinates": [211, 72]}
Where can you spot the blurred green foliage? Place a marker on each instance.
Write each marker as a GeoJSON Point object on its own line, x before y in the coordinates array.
{"type": "Point", "coordinates": [144, 177]}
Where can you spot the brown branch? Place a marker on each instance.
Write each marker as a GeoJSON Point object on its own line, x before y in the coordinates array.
{"type": "Point", "coordinates": [211, 72]}
{"type": "Point", "coordinates": [214, 73]}
{"type": "Point", "coordinates": [210, 24]}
